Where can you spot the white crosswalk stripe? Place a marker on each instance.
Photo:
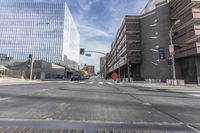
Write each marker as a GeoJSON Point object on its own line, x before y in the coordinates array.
{"type": "Point", "coordinates": [195, 95]}
{"type": "Point", "coordinates": [110, 83]}
{"type": "Point", "coordinates": [3, 99]}
{"type": "Point", "coordinates": [188, 91]}
{"type": "Point", "coordinates": [91, 82]}
{"type": "Point", "coordinates": [100, 83]}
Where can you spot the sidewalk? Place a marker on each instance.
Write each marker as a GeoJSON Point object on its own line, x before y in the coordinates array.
{"type": "Point", "coordinates": [140, 84]}
{"type": "Point", "coordinates": [165, 86]}
{"type": "Point", "coordinates": [15, 81]}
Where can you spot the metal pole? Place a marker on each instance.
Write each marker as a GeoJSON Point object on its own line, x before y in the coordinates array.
{"type": "Point", "coordinates": [33, 52]}
{"type": "Point", "coordinates": [105, 70]}
{"type": "Point", "coordinates": [119, 71]}
{"type": "Point", "coordinates": [95, 52]}
{"type": "Point", "coordinates": [173, 59]}
{"type": "Point", "coordinates": [128, 71]}
{"type": "Point", "coordinates": [31, 69]}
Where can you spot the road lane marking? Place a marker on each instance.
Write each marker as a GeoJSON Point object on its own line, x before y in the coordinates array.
{"type": "Point", "coordinates": [81, 82]}
{"type": "Point", "coordinates": [185, 91]}
{"type": "Point", "coordinates": [43, 90]}
{"type": "Point", "coordinates": [3, 99]}
{"type": "Point", "coordinates": [193, 128]}
{"type": "Point", "coordinates": [195, 95]}
{"type": "Point", "coordinates": [109, 83]}
{"type": "Point", "coordinates": [147, 104]}
{"type": "Point", "coordinates": [100, 83]}
{"type": "Point", "coordinates": [91, 82]}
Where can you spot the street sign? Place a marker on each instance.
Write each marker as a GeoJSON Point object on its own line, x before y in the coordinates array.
{"type": "Point", "coordinates": [82, 51]}
{"type": "Point", "coordinates": [114, 76]}
{"type": "Point", "coordinates": [170, 61]}
{"type": "Point", "coordinates": [87, 54]}
{"type": "Point", "coordinates": [171, 50]}
{"type": "Point", "coordinates": [161, 53]}
{"type": "Point", "coordinates": [30, 57]}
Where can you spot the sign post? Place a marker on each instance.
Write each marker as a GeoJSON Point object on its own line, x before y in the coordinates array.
{"type": "Point", "coordinates": [171, 50]}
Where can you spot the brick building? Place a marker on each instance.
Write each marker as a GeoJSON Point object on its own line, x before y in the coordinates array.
{"type": "Point", "coordinates": [135, 53]}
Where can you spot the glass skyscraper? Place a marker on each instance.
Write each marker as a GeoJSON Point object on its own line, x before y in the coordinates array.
{"type": "Point", "coordinates": [44, 29]}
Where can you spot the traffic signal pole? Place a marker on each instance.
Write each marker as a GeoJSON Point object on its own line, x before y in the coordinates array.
{"type": "Point", "coordinates": [172, 56]}
{"type": "Point", "coordinates": [172, 44]}
{"type": "Point", "coordinates": [129, 76]}
{"type": "Point", "coordinates": [33, 52]}
{"type": "Point", "coordinates": [31, 69]}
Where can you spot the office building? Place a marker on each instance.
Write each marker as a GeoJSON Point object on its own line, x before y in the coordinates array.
{"type": "Point", "coordinates": [4, 58]}
{"type": "Point", "coordinates": [155, 25]}
{"type": "Point", "coordinates": [187, 37]}
{"type": "Point", "coordinates": [103, 67]}
{"type": "Point", "coordinates": [126, 49]}
{"type": "Point", "coordinates": [44, 29]}
{"type": "Point", "coordinates": [89, 69]}
{"type": "Point", "coordinates": [141, 50]}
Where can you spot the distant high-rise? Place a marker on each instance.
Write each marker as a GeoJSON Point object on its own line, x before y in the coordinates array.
{"type": "Point", "coordinates": [45, 29]}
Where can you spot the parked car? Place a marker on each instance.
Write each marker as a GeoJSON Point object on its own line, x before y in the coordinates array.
{"type": "Point", "coordinates": [75, 77]}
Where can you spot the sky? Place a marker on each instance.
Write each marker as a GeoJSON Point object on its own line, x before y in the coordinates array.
{"type": "Point", "coordinates": [98, 22]}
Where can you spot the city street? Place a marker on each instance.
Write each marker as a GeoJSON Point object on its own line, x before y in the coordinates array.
{"type": "Point", "coordinates": [98, 101]}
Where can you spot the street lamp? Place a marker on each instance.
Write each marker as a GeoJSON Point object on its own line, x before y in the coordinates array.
{"type": "Point", "coordinates": [119, 71]}
{"type": "Point", "coordinates": [172, 45]}
{"type": "Point", "coordinates": [34, 47]}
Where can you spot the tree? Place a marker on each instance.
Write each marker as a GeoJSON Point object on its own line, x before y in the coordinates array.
{"type": "Point", "coordinates": [83, 73]}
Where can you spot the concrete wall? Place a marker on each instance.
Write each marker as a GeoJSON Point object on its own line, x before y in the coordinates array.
{"type": "Point", "coordinates": [190, 68]}
{"type": "Point", "coordinates": [154, 32]}
{"type": "Point", "coordinates": [198, 69]}
{"type": "Point", "coordinates": [39, 67]}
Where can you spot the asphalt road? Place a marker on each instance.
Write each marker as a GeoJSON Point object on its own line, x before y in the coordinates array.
{"type": "Point", "coordinates": [97, 100]}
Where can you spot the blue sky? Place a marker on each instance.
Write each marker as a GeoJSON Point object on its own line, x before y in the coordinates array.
{"type": "Point", "coordinates": [98, 22]}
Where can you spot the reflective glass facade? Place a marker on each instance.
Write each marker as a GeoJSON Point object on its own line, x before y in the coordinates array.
{"type": "Point", "coordinates": [45, 29]}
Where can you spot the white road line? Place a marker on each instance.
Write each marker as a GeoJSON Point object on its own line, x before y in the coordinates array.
{"type": "Point", "coordinates": [100, 83]}
{"type": "Point", "coordinates": [147, 104]}
{"type": "Point", "coordinates": [43, 90]}
{"type": "Point", "coordinates": [81, 82]}
{"type": "Point", "coordinates": [195, 95]}
{"type": "Point", "coordinates": [186, 91]}
{"type": "Point", "coordinates": [91, 82]}
{"type": "Point", "coordinates": [109, 83]}
{"type": "Point", "coordinates": [3, 99]}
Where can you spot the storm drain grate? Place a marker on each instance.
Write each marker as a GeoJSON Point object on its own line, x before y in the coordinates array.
{"type": "Point", "coordinates": [48, 130]}
{"type": "Point", "coordinates": [38, 130]}
{"type": "Point", "coordinates": [133, 131]}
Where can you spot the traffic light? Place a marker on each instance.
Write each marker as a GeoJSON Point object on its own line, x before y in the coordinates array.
{"type": "Point", "coordinates": [161, 53]}
{"type": "Point", "coordinates": [170, 61]}
{"type": "Point", "coordinates": [88, 55]}
{"type": "Point", "coordinates": [29, 61]}
{"type": "Point", "coordinates": [82, 51]}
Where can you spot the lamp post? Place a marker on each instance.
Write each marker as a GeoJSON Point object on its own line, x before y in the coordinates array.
{"type": "Point", "coordinates": [33, 53]}
{"type": "Point", "coordinates": [119, 74]}
{"type": "Point", "coordinates": [128, 65]}
{"type": "Point", "coordinates": [33, 47]}
{"type": "Point", "coordinates": [172, 45]}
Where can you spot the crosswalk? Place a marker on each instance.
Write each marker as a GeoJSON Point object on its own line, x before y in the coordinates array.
{"type": "Point", "coordinates": [194, 93]}
{"type": "Point", "coordinates": [91, 82]}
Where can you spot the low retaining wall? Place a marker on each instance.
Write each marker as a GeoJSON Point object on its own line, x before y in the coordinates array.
{"type": "Point", "coordinates": [175, 82]}
{"type": "Point", "coordinates": [153, 80]}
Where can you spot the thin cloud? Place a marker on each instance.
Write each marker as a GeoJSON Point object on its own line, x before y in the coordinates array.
{"type": "Point", "coordinates": [93, 32]}
{"type": "Point", "coordinates": [98, 22]}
